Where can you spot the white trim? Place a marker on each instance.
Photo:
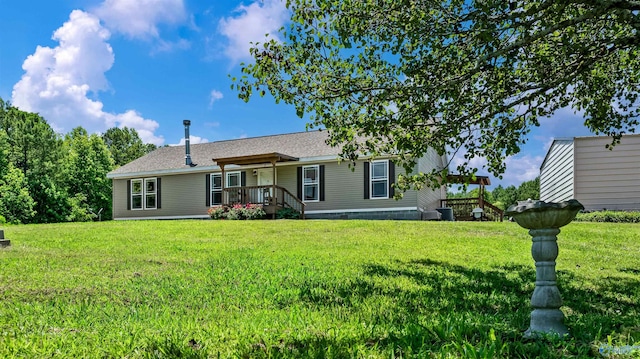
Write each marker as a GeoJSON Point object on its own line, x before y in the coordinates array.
{"type": "Point", "coordinates": [162, 217]}
{"type": "Point", "coordinates": [395, 209]}
{"type": "Point", "coordinates": [212, 190]}
{"type": "Point", "coordinates": [141, 194]}
{"type": "Point", "coordinates": [316, 183]}
{"type": "Point", "coordinates": [154, 193]}
{"type": "Point", "coordinates": [226, 180]}
{"type": "Point", "coordinates": [332, 158]}
{"type": "Point", "coordinates": [371, 179]}
{"type": "Point", "coordinates": [159, 173]}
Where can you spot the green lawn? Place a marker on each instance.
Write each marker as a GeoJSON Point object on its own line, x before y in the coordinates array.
{"type": "Point", "coordinates": [367, 289]}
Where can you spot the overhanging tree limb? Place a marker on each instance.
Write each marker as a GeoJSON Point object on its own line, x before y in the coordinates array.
{"type": "Point", "coordinates": [385, 70]}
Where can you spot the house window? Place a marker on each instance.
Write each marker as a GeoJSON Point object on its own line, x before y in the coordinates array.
{"type": "Point", "coordinates": [233, 179]}
{"type": "Point", "coordinates": [310, 183]}
{"type": "Point", "coordinates": [144, 193]}
{"type": "Point", "coordinates": [379, 179]}
{"type": "Point", "coordinates": [216, 189]}
{"type": "Point", "coordinates": [150, 193]}
{"type": "Point", "coordinates": [136, 194]}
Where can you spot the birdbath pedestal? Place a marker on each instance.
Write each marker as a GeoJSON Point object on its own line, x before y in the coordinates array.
{"type": "Point", "coordinates": [543, 220]}
{"type": "Point", "coordinates": [3, 242]}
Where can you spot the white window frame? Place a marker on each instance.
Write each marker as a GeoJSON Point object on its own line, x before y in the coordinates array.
{"type": "Point", "coordinates": [213, 189]}
{"type": "Point", "coordinates": [315, 183]}
{"type": "Point", "coordinates": [384, 179]}
{"type": "Point", "coordinates": [138, 194]}
{"type": "Point", "coordinates": [153, 193]}
{"type": "Point", "coordinates": [144, 193]}
{"type": "Point", "coordinates": [229, 174]}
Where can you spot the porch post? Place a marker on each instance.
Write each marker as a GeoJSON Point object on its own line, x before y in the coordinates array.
{"type": "Point", "coordinates": [481, 199]}
{"type": "Point", "coordinates": [224, 195]}
{"type": "Point", "coordinates": [273, 182]}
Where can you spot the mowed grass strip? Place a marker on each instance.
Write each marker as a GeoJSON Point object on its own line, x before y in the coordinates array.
{"type": "Point", "coordinates": [378, 289]}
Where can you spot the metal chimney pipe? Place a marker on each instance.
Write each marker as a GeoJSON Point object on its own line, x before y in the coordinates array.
{"type": "Point", "coordinates": [187, 148]}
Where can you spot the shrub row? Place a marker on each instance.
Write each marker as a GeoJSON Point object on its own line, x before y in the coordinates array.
{"type": "Point", "coordinates": [237, 211]}
{"type": "Point", "coordinates": [609, 216]}
{"type": "Point", "coordinates": [287, 213]}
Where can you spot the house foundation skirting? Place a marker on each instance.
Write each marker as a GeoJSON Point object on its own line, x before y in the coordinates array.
{"type": "Point", "coordinates": [412, 214]}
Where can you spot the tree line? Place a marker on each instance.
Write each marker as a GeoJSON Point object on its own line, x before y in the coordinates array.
{"type": "Point", "coordinates": [503, 197]}
{"type": "Point", "coordinates": [48, 177]}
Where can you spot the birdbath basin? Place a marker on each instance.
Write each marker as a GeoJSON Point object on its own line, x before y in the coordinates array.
{"type": "Point", "coordinates": [543, 220]}
{"type": "Point", "coordinates": [539, 214]}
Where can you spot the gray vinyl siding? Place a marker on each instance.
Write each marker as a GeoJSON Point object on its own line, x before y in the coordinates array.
{"type": "Point", "coordinates": [608, 179]}
{"type": "Point", "coordinates": [344, 189]}
{"type": "Point", "coordinates": [557, 174]}
{"type": "Point", "coordinates": [181, 195]}
{"type": "Point", "coordinates": [429, 199]}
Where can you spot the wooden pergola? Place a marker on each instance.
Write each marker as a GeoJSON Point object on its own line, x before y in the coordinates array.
{"type": "Point", "coordinates": [464, 208]}
{"type": "Point", "coordinates": [481, 181]}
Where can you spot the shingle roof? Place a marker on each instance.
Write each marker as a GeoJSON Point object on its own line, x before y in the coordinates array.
{"type": "Point", "coordinates": [300, 144]}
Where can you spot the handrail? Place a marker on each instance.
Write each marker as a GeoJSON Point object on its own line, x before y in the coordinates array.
{"type": "Point", "coordinates": [495, 209]}
{"type": "Point", "coordinates": [295, 199]}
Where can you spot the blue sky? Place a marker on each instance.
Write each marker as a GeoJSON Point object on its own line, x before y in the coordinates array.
{"type": "Point", "coordinates": [149, 64]}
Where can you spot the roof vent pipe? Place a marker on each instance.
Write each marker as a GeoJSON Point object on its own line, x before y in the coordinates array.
{"type": "Point", "coordinates": [187, 149]}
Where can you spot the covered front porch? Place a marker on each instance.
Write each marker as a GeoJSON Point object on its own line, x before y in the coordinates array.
{"type": "Point", "coordinates": [267, 192]}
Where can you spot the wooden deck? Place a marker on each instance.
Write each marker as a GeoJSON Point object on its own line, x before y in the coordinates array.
{"type": "Point", "coordinates": [463, 208]}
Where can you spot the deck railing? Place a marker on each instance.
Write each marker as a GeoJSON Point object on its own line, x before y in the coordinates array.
{"type": "Point", "coordinates": [269, 195]}
{"type": "Point", "coordinates": [463, 208]}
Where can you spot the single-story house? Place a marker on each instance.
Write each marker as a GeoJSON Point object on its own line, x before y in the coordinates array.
{"type": "Point", "coordinates": [600, 178]}
{"type": "Point", "coordinates": [295, 170]}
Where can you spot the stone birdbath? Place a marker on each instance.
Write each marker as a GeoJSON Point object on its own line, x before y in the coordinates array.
{"type": "Point", "coordinates": [543, 220]}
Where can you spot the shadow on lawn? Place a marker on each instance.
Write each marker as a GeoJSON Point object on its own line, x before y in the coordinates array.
{"type": "Point", "coordinates": [419, 307]}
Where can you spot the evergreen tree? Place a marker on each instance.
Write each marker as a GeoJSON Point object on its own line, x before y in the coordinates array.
{"type": "Point", "coordinates": [125, 145]}
{"type": "Point", "coordinates": [36, 150]}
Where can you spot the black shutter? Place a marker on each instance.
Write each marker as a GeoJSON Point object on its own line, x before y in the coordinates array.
{"type": "Point", "coordinates": [207, 182]}
{"type": "Point", "coordinates": [366, 180]}
{"type": "Point", "coordinates": [299, 182]}
{"type": "Point", "coordinates": [392, 178]}
{"type": "Point", "coordinates": [158, 192]}
{"type": "Point", "coordinates": [322, 182]}
{"type": "Point", "coordinates": [128, 195]}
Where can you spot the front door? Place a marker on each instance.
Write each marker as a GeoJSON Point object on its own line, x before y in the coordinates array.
{"type": "Point", "coordinates": [265, 178]}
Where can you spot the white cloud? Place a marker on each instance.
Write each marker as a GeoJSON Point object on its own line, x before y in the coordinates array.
{"type": "Point", "coordinates": [140, 18]}
{"type": "Point", "coordinates": [564, 123]}
{"type": "Point", "coordinates": [519, 168]}
{"type": "Point", "coordinates": [60, 83]}
{"type": "Point", "coordinates": [133, 119]}
{"type": "Point", "coordinates": [215, 96]}
{"type": "Point", "coordinates": [168, 46]}
{"type": "Point", "coordinates": [251, 24]}
{"type": "Point", "coordinates": [192, 140]}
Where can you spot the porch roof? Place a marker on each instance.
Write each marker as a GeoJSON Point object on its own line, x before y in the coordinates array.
{"type": "Point", "coordinates": [272, 157]}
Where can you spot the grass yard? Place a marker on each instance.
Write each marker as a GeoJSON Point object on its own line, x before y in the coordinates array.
{"type": "Point", "coordinates": [335, 289]}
